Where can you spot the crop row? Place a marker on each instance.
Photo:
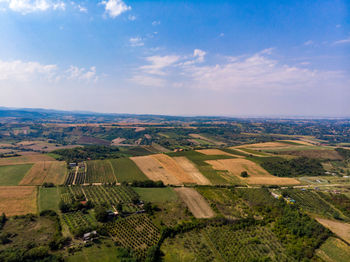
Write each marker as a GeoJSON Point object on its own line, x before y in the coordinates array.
{"type": "Point", "coordinates": [70, 178]}
{"type": "Point", "coordinates": [99, 172]}
{"type": "Point", "coordinates": [136, 232]}
{"type": "Point", "coordinates": [78, 221]}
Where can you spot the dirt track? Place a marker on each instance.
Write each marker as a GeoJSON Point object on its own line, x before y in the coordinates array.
{"type": "Point", "coordinates": [195, 202]}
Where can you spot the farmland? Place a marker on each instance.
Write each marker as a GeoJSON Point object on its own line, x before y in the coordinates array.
{"type": "Point", "coordinates": [47, 171]}
{"type": "Point", "coordinates": [12, 175]}
{"type": "Point", "coordinates": [195, 202]}
{"type": "Point", "coordinates": [99, 171]}
{"type": "Point", "coordinates": [156, 195]}
{"type": "Point", "coordinates": [18, 200]}
{"type": "Point", "coordinates": [126, 170]}
{"type": "Point", "coordinates": [136, 232]}
{"type": "Point", "coordinates": [334, 250]}
{"type": "Point", "coordinates": [48, 198]}
{"type": "Point", "coordinates": [339, 228]}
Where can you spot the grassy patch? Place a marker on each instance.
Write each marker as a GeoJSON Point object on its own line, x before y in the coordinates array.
{"type": "Point", "coordinates": [12, 175]}
{"type": "Point", "coordinates": [156, 194]}
{"type": "Point", "coordinates": [126, 170]}
{"type": "Point", "coordinates": [48, 199]}
{"type": "Point", "coordinates": [334, 250]}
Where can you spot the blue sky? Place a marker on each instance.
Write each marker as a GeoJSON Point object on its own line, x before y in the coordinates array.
{"type": "Point", "coordinates": [233, 58]}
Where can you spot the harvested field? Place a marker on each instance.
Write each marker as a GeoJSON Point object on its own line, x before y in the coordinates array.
{"type": "Point", "coordinates": [195, 202]}
{"type": "Point", "coordinates": [25, 158]}
{"type": "Point", "coordinates": [265, 145]}
{"type": "Point", "coordinates": [17, 200]}
{"type": "Point", "coordinates": [152, 168]}
{"type": "Point", "coordinates": [257, 175]}
{"type": "Point", "coordinates": [45, 171]}
{"type": "Point", "coordinates": [173, 168]}
{"type": "Point", "coordinates": [341, 229]}
{"type": "Point", "coordinates": [192, 170]}
{"type": "Point", "coordinates": [215, 152]}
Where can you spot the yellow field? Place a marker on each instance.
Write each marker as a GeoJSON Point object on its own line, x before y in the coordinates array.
{"type": "Point", "coordinates": [257, 175]}
{"type": "Point", "coordinates": [45, 171]}
{"type": "Point", "coordinates": [266, 145]}
{"type": "Point", "coordinates": [173, 168]}
{"type": "Point", "coordinates": [213, 152]}
{"type": "Point", "coordinates": [192, 170]}
{"type": "Point", "coordinates": [154, 170]}
{"type": "Point", "coordinates": [18, 200]}
{"type": "Point", "coordinates": [341, 229]}
{"type": "Point", "coordinates": [26, 158]}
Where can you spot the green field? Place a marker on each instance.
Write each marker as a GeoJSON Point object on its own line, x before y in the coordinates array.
{"type": "Point", "coordinates": [48, 198]}
{"type": "Point", "coordinates": [156, 194]}
{"type": "Point", "coordinates": [334, 250]}
{"type": "Point", "coordinates": [105, 252]}
{"type": "Point", "coordinates": [12, 175]}
{"type": "Point", "coordinates": [100, 171]}
{"type": "Point", "coordinates": [126, 170]}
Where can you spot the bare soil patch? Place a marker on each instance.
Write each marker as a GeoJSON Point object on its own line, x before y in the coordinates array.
{"type": "Point", "coordinates": [152, 168]}
{"type": "Point", "coordinates": [341, 229]}
{"type": "Point", "coordinates": [192, 170]}
{"type": "Point", "coordinates": [195, 202]}
{"type": "Point", "coordinates": [257, 175]}
{"type": "Point", "coordinates": [18, 200]}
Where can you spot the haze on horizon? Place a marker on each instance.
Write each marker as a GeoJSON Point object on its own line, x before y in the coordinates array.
{"type": "Point", "coordinates": [227, 58]}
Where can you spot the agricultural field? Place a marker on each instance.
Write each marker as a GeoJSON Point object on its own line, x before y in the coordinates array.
{"type": "Point", "coordinates": [339, 228]}
{"type": "Point", "coordinates": [126, 170]}
{"type": "Point", "coordinates": [136, 232]}
{"type": "Point", "coordinates": [216, 152]}
{"type": "Point", "coordinates": [48, 198]}
{"type": "Point", "coordinates": [334, 250]}
{"type": "Point", "coordinates": [190, 169]}
{"type": "Point", "coordinates": [256, 174]}
{"type": "Point", "coordinates": [47, 171]}
{"type": "Point", "coordinates": [311, 202]}
{"type": "Point", "coordinates": [25, 158]}
{"type": "Point", "coordinates": [78, 222]}
{"type": "Point", "coordinates": [156, 195]}
{"type": "Point", "coordinates": [225, 243]}
{"type": "Point", "coordinates": [195, 202]}
{"type": "Point", "coordinates": [100, 171]}
{"type": "Point", "coordinates": [12, 175]}
{"type": "Point", "coordinates": [18, 200]}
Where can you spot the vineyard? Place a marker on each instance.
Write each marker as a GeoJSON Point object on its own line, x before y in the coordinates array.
{"type": "Point", "coordinates": [136, 232]}
{"type": "Point", "coordinates": [70, 177]}
{"type": "Point", "coordinates": [112, 195]}
{"type": "Point", "coordinates": [100, 171]}
{"type": "Point", "coordinates": [225, 243]}
{"type": "Point", "coordinates": [78, 222]}
{"type": "Point", "coordinates": [311, 202]}
{"type": "Point", "coordinates": [80, 179]}
{"type": "Point", "coordinates": [340, 201]}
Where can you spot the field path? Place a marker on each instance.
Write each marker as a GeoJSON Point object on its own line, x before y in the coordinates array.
{"type": "Point", "coordinates": [192, 170]}
{"type": "Point", "coordinates": [195, 202]}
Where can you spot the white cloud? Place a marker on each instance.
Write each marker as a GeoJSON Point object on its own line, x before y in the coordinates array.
{"type": "Point", "coordinates": [132, 17]}
{"type": "Point", "coordinates": [159, 63]}
{"type": "Point", "coordinates": [154, 23]}
{"type": "Point", "coordinates": [30, 6]}
{"type": "Point", "coordinates": [115, 8]}
{"type": "Point", "coordinates": [21, 71]}
{"type": "Point", "coordinates": [343, 41]}
{"type": "Point", "coordinates": [146, 80]}
{"type": "Point", "coordinates": [309, 42]}
{"type": "Point", "coordinates": [82, 9]}
{"type": "Point", "coordinates": [136, 41]}
{"type": "Point", "coordinates": [199, 55]}
{"type": "Point", "coordinates": [77, 73]}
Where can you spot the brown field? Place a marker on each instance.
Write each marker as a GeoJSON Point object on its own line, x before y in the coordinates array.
{"type": "Point", "coordinates": [314, 153]}
{"type": "Point", "coordinates": [341, 229]}
{"type": "Point", "coordinates": [173, 168]}
{"type": "Point", "coordinates": [17, 200]}
{"type": "Point", "coordinates": [45, 171]}
{"type": "Point", "coordinates": [25, 158]}
{"type": "Point", "coordinates": [192, 170]}
{"type": "Point", "coordinates": [42, 146]}
{"type": "Point", "coordinates": [266, 145]}
{"type": "Point", "coordinates": [195, 202]}
{"type": "Point", "coordinates": [214, 152]}
{"type": "Point", "coordinates": [257, 175]}
{"type": "Point", "coordinates": [154, 170]}
{"type": "Point", "coordinates": [117, 141]}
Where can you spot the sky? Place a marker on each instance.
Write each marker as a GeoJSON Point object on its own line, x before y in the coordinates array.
{"type": "Point", "coordinates": [229, 58]}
